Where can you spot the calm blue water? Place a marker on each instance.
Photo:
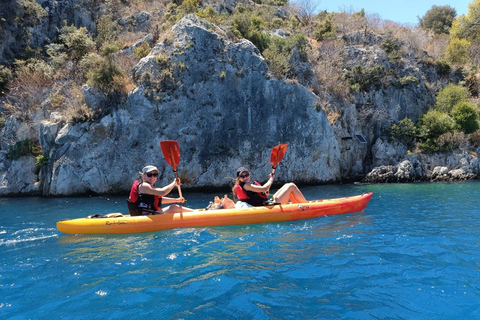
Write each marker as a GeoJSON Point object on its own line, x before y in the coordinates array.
{"type": "Point", "coordinates": [412, 254]}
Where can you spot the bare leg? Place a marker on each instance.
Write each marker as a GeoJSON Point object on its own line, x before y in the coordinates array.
{"type": "Point", "coordinates": [175, 208]}
{"type": "Point", "coordinates": [289, 192]}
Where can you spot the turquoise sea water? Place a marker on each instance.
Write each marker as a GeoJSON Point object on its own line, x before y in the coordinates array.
{"type": "Point", "coordinates": [412, 254]}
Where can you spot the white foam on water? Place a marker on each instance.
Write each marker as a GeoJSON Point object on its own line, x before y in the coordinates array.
{"type": "Point", "coordinates": [27, 235]}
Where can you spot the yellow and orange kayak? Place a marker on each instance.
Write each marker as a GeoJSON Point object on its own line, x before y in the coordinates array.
{"type": "Point", "coordinates": [119, 223]}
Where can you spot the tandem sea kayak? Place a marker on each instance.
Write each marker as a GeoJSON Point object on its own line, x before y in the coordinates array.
{"type": "Point", "coordinates": [119, 223]}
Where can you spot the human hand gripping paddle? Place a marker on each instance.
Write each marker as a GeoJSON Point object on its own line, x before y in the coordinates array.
{"type": "Point", "coordinates": [171, 152]}
{"type": "Point", "coordinates": [275, 157]}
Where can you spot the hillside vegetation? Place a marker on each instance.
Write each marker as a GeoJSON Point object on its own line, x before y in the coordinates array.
{"type": "Point", "coordinates": [50, 50]}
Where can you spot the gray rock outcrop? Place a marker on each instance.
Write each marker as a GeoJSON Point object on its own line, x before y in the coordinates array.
{"type": "Point", "coordinates": [434, 167]}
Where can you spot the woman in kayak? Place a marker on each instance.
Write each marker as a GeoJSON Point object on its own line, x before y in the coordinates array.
{"type": "Point", "coordinates": [149, 199]}
{"type": "Point", "coordinates": [254, 194]}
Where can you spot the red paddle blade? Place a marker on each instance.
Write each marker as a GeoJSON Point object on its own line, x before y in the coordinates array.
{"type": "Point", "coordinates": [277, 154]}
{"type": "Point", "coordinates": [171, 152]}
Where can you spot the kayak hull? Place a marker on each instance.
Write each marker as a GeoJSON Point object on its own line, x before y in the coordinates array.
{"type": "Point", "coordinates": [221, 217]}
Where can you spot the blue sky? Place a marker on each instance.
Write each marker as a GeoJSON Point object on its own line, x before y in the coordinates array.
{"type": "Point", "coordinates": [405, 11]}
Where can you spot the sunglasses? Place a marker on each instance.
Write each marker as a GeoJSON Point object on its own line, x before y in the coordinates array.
{"type": "Point", "coordinates": [149, 174]}
{"type": "Point", "coordinates": [244, 175]}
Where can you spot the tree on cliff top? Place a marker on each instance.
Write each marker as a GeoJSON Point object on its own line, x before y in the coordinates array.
{"type": "Point", "coordinates": [438, 19]}
{"type": "Point", "coordinates": [468, 26]}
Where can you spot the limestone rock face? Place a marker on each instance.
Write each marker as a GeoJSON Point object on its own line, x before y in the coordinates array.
{"type": "Point", "coordinates": [385, 152]}
{"type": "Point", "coordinates": [227, 111]}
{"type": "Point", "coordinates": [216, 98]}
{"type": "Point", "coordinates": [140, 22]}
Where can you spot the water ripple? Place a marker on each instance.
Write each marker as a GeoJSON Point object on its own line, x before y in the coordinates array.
{"type": "Point", "coordinates": [412, 254]}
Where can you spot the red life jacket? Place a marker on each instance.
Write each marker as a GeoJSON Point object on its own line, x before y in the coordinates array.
{"type": "Point", "coordinates": [153, 202]}
{"type": "Point", "coordinates": [250, 197]}
{"type": "Point", "coordinates": [134, 192]}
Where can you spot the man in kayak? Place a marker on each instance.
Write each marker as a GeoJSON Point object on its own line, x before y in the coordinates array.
{"type": "Point", "coordinates": [149, 199]}
{"type": "Point", "coordinates": [254, 194]}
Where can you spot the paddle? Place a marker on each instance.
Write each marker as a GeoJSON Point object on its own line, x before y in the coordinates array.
{"type": "Point", "coordinates": [277, 155]}
{"type": "Point", "coordinates": [171, 152]}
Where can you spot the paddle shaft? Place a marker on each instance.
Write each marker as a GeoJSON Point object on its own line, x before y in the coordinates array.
{"type": "Point", "coordinates": [178, 187]}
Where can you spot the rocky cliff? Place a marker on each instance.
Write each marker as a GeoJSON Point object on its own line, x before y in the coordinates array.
{"type": "Point", "coordinates": [219, 102]}
{"type": "Point", "coordinates": [218, 98]}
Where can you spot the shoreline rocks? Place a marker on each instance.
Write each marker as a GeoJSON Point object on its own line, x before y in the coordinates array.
{"type": "Point", "coordinates": [413, 171]}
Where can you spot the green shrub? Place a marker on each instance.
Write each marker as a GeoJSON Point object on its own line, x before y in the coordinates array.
{"type": "Point", "coordinates": [78, 41]}
{"type": "Point", "coordinates": [457, 52]}
{"type": "Point", "coordinates": [449, 96]}
{"type": "Point", "coordinates": [431, 126]}
{"type": "Point", "coordinates": [299, 42]}
{"type": "Point", "coordinates": [107, 30]}
{"type": "Point", "coordinates": [250, 27]}
{"type": "Point", "coordinates": [364, 78]}
{"type": "Point", "coordinates": [57, 55]}
{"type": "Point", "coordinates": [392, 48]}
{"type": "Point", "coordinates": [5, 77]}
{"type": "Point", "coordinates": [208, 13]}
{"type": "Point", "coordinates": [277, 23]}
{"type": "Point", "coordinates": [241, 23]}
{"type": "Point", "coordinates": [142, 50]}
{"type": "Point", "coordinates": [356, 87]}
{"type": "Point", "coordinates": [443, 68]}
{"type": "Point", "coordinates": [466, 117]}
{"type": "Point", "coordinates": [35, 68]}
{"type": "Point", "coordinates": [20, 149]}
{"type": "Point", "coordinates": [404, 130]}
{"type": "Point", "coordinates": [188, 6]}
{"type": "Point", "coordinates": [407, 80]}
{"type": "Point", "coordinates": [88, 63]}
{"type": "Point", "coordinates": [42, 160]}
{"type": "Point", "coordinates": [277, 60]}
{"type": "Point", "coordinates": [163, 61]}
{"type": "Point", "coordinates": [260, 39]}
{"type": "Point", "coordinates": [325, 30]}
{"type": "Point", "coordinates": [279, 53]}
{"type": "Point", "coordinates": [109, 78]}
{"type": "Point", "coordinates": [32, 11]}
{"type": "Point", "coordinates": [467, 26]}
{"type": "Point", "coordinates": [102, 75]}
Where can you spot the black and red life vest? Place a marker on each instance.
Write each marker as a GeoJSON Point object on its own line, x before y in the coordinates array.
{"type": "Point", "coordinates": [145, 202]}
{"type": "Point", "coordinates": [250, 197]}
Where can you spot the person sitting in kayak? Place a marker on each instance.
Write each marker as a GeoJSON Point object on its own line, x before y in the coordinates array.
{"type": "Point", "coordinates": [254, 194]}
{"type": "Point", "coordinates": [148, 199]}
